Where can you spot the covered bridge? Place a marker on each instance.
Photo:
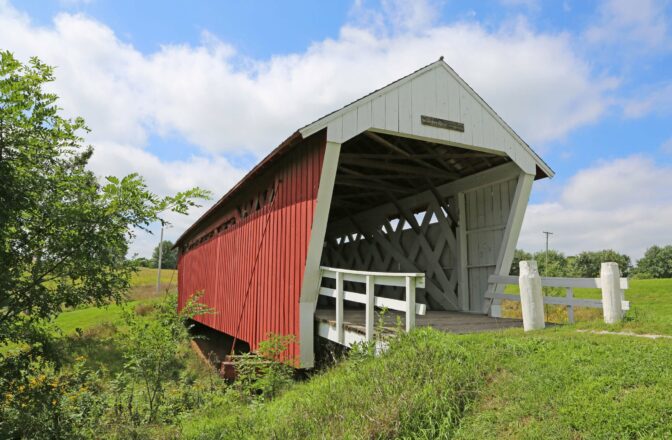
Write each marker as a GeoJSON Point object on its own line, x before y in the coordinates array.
{"type": "Point", "coordinates": [420, 177]}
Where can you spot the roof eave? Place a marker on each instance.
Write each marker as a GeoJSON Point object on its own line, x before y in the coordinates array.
{"type": "Point", "coordinates": [278, 151]}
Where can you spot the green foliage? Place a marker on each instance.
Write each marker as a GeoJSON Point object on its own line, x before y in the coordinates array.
{"type": "Point", "coordinates": [656, 263]}
{"type": "Point", "coordinates": [518, 256]}
{"type": "Point", "coordinates": [63, 235]}
{"type": "Point", "coordinates": [262, 375]}
{"type": "Point", "coordinates": [142, 262]}
{"type": "Point", "coordinates": [38, 401]}
{"type": "Point", "coordinates": [150, 353]}
{"type": "Point", "coordinates": [557, 265]}
{"type": "Point", "coordinates": [587, 264]}
{"type": "Point", "coordinates": [168, 256]}
{"type": "Point", "coordinates": [428, 385]}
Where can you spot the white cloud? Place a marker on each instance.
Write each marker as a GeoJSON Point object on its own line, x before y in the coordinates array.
{"type": "Point", "coordinates": [207, 95]}
{"type": "Point", "coordinates": [657, 100]}
{"type": "Point", "coordinates": [228, 105]}
{"type": "Point", "coordinates": [625, 204]}
{"type": "Point", "coordinates": [639, 24]}
{"type": "Point", "coordinates": [666, 146]}
{"type": "Point", "coordinates": [530, 4]}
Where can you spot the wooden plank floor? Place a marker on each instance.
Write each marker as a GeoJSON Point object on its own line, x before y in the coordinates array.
{"type": "Point", "coordinates": [452, 322]}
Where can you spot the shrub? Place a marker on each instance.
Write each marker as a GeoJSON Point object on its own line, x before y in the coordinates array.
{"type": "Point", "coordinates": [39, 401]}
{"type": "Point", "coordinates": [263, 375]}
{"type": "Point", "coordinates": [144, 309]}
{"type": "Point", "coordinates": [152, 357]}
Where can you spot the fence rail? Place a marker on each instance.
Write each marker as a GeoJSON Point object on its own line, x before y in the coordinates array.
{"type": "Point", "coordinates": [567, 283]}
{"type": "Point", "coordinates": [410, 281]}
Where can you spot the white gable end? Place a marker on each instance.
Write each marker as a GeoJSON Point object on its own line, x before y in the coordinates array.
{"type": "Point", "coordinates": [435, 91]}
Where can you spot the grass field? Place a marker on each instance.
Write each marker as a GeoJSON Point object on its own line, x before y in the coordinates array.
{"type": "Point", "coordinates": [553, 384]}
{"type": "Point", "coordinates": [650, 302]}
{"type": "Point", "coordinates": [557, 383]}
{"type": "Point", "coordinates": [143, 291]}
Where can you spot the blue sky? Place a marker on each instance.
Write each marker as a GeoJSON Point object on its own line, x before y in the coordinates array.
{"type": "Point", "coordinates": [178, 91]}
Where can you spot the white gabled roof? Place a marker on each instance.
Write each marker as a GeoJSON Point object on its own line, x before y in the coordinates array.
{"type": "Point", "coordinates": [436, 91]}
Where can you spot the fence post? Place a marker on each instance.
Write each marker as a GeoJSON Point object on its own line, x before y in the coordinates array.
{"type": "Point", "coordinates": [570, 307]}
{"type": "Point", "coordinates": [531, 298]}
{"type": "Point", "coordinates": [610, 278]}
{"type": "Point", "coordinates": [410, 303]}
{"type": "Point", "coordinates": [339, 307]}
{"type": "Point", "coordinates": [370, 304]}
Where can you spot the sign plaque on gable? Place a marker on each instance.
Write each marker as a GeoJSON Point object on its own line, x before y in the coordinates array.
{"type": "Point", "coordinates": [441, 123]}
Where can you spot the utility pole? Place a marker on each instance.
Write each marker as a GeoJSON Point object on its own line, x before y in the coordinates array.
{"type": "Point", "coordinates": [158, 266]}
{"type": "Point", "coordinates": [546, 265]}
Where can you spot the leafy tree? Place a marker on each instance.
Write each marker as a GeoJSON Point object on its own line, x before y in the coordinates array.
{"type": "Point", "coordinates": [656, 263]}
{"type": "Point", "coordinates": [518, 256]}
{"type": "Point", "coordinates": [557, 263]}
{"type": "Point", "coordinates": [587, 264]}
{"type": "Point", "coordinates": [142, 262]}
{"type": "Point", "coordinates": [63, 235]}
{"type": "Point", "coordinates": [168, 256]}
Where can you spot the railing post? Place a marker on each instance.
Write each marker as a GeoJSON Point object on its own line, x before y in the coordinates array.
{"type": "Point", "coordinates": [339, 307]}
{"type": "Point", "coordinates": [570, 307]}
{"type": "Point", "coordinates": [531, 298]}
{"type": "Point", "coordinates": [370, 306]}
{"type": "Point", "coordinates": [410, 303]}
{"type": "Point", "coordinates": [610, 278]}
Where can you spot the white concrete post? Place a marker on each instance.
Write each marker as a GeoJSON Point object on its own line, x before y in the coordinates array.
{"type": "Point", "coordinates": [339, 308]}
{"type": "Point", "coordinates": [531, 297]}
{"type": "Point", "coordinates": [410, 303]}
{"type": "Point", "coordinates": [610, 278]}
{"type": "Point", "coordinates": [370, 307]}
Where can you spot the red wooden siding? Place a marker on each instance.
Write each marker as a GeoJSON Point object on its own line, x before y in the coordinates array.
{"type": "Point", "coordinates": [224, 265]}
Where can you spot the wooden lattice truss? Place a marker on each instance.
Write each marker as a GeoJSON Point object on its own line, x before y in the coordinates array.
{"type": "Point", "coordinates": [418, 240]}
{"type": "Point", "coordinates": [398, 205]}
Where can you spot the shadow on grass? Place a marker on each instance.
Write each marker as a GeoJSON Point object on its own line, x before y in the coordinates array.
{"type": "Point", "coordinates": [99, 345]}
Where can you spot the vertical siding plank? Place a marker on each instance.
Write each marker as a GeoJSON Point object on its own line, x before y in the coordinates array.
{"type": "Point", "coordinates": [350, 124]}
{"type": "Point", "coordinates": [223, 266]}
{"type": "Point", "coordinates": [392, 110]}
{"type": "Point", "coordinates": [378, 112]}
{"type": "Point", "coordinates": [364, 116]}
{"type": "Point", "coordinates": [406, 108]}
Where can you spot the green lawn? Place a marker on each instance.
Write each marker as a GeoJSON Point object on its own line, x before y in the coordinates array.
{"type": "Point", "coordinates": [650, 308]}
{"type": "Point", "coordinates": [143, 291]}
{"type": "Point", "coordinates": [551, 384]}
{"type": "Point", "coordinates": [557, 383]}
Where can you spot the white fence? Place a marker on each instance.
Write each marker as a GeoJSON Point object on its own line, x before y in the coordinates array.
{"type": "Point", "coordinates": [569, 284]}
{"type": "Point", "coordinates": [410, 281]}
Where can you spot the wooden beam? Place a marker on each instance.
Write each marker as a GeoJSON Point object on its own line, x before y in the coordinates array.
{"type": "Point", "coordinates": [484, 178]}
{"type": "Point", "coordinates": [433, 155]}
{"type": "Point", "coordinates": [427, 247]}
{"type": "Point", "coordinates": [511, 233]}
{"type": "Point", "coordinates": [384, 142]}
{"type": "Point", "coordinates": [432, 289]}
{"type": "Point", "coordinates": [404, 168]}
{"type": "Point", "coordinates": [462, 261]}
{"type": "Point", "coordinates": [370, 185]}
{"type": "Point", "coordinates": [311, 274]}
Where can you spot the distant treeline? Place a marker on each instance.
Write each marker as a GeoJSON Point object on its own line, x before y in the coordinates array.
{"type": "Point", "coordinates": [656, 263]}
{"type": "Point", "coordinates": [168, 257]}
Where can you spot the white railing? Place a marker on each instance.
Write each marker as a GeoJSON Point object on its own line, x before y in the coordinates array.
{"type": "Point", "coordinates": [370, 279]}
{"type": "Point", "coordinates": [568, 283]}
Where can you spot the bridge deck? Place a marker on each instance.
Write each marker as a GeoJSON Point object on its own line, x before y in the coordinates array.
{"type": "Point", "coordinates": [452, 322]}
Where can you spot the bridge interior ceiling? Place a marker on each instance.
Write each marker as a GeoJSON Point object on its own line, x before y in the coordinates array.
{"type": "Point", "coordinates": [375, 168]}
{"type": "Point", "coordinates": [376, 223]}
